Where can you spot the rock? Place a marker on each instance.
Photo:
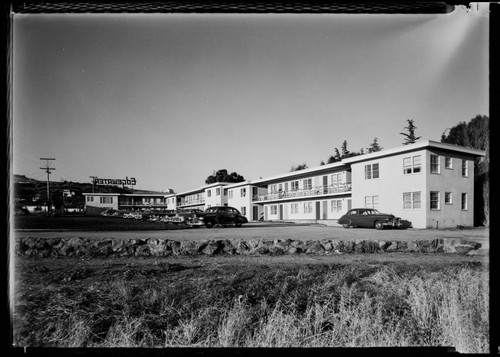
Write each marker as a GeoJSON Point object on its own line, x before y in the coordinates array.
{"type": "Point", "coordinates": [276, 250]}
{"type": "Point", "coordinates": [314, 247]}
{"type": "Point", "coordinates": [413, 247]}
{"type": "Point", "coordinates": [174, 246]}
{"type": "Point", "coordinates": [157, 247]}
{"type": "Point", "coordinates": [391, 247]}
{"type": "Point", "coordinates": [212, 247]}
{"type": "Point", "coordinates": [188, 248]}
{"type": "Point", "coordinates": [227, 247]}
{"type": "Point", "coordinates": [143, 250]}
{"type": "Point", "coordinates": [242, 247]}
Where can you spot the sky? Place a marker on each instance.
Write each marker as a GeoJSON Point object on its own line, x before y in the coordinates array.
{"type": "Point", "coordinates": [170, 98]}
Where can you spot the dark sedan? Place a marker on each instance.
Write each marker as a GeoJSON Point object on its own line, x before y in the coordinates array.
{"type": "Point", "coordinates": [222, 215]}
{"type": "Point", "coordinates": [368, 217]}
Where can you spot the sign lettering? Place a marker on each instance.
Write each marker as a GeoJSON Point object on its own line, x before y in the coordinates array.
{"type": "Point", "coordinates": [127, 181]}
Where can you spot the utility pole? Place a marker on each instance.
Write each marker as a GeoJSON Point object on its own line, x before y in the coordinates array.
{"type": "Point", "coordinates": [93, 178]}
{"type": "Point", "coordinates": [47, 169]}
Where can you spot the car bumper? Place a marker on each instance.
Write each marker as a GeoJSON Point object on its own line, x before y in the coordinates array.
{"type": "Point", "coordinates": [393, 223]}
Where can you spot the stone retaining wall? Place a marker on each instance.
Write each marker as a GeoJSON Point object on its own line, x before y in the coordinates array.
{"type": "Point", "coordinates": [81, 247]}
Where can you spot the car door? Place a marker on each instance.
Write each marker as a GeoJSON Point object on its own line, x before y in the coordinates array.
{"type": "Point", "coordinates": [363, 218]}
{"type": "Point", "coordinates": [230, 215]}
{"type": "Point", "coordinates": [222, 215]}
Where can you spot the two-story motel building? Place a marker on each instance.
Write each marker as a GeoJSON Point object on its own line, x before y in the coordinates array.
{"type": "Point", "coordinates": [430, 184]}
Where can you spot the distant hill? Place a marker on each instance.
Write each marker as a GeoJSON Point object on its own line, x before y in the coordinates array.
{"type": "Point", "coordinates": [31, 191]}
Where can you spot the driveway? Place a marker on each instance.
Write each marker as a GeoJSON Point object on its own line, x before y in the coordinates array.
{"type": "Point", "coordinates": [275, 231]}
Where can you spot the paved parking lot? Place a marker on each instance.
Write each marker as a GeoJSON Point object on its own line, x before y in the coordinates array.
{"type": "Point", "coordinates": [275, 231]}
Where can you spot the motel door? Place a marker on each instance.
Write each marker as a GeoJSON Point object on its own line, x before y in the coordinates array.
{"type": "Point", "coordinates": [318, 205]}
{"type": "Point", "coordinates": [255, 213]}
{"type": "Point", "coordinates": [281, 212]}
{"type": "Point", "coordinates": [325, 209]}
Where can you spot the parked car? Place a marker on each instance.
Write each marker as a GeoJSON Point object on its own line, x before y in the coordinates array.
{"type": "Point", "coordinates": [368, 217]}
{"type": "Point", "coordinates": [184, 216]}
{"type": "Point", "coordinates": [222, 215]}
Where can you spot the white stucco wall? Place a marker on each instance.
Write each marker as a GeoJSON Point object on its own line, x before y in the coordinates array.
{"type": "Point", "coordinates": [391, 185]}
{"type": "Point", "coordinates": [451, 180]}
{"type": "Point", "coordinates": [215, 199]}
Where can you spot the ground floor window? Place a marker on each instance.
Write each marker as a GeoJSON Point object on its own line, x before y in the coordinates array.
{"type": "Point", "coordinates": [274, 209]}
{"type": "Point", "coordinates": [294, 208]}
{"type": "Point", "coordinates": [243, 211]}
{"type": "Point", "coordinates": [106, 199]}
{"type": "Point", "coordinates": [464, 201]}
{"type": "Point", "coordinates": [434, 200]}
{"type": "Point", "coordinates": [371, 201]}
{"type": "Point", "coordinates": [307, 207]}
{"type": "Point", "coordinates": [336, 206]}
{"type": "Point", "coordinates": [411, 200]}
{"type": "Point", "coordinates": [448, 198]}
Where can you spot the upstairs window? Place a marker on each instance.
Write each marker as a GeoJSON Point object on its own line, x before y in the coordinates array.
{"type": "Point", "coordinates": [243, 192]}
{"type": "Point", "coordinates": [412, 165]}
{"type": "Point", "coordinates": [448, 163]}
{"type": "Point", "coordinates": [371, 171]}
{"type": "Point", "coordinates": [448, 198]}
{"type": "Point", "coordinates": [295, 185]}
{"type": "Point", "coordinates": [209, 193]}
{"type": "Point", "coordinates": [307, 184]}
{"type": "Point", "coordinates": [230, 194]}
{"type": "Point", "coordinates": [217, 191]}
{"type": "Point", "coordinates": [435, 164]}
{"type": "Point", "coordinates": [465, 169]}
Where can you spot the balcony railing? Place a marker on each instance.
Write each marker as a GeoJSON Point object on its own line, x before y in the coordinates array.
{"type": "Point", "coordinates": [192, 202]}
{"type": "Point", "coordinates": [141, 204]}
{"type": "Point", "coordinates": [314, 191]}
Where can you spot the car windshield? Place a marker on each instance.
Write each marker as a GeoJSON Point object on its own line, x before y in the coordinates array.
{"type": "Point", "coordinates": [372, 211]}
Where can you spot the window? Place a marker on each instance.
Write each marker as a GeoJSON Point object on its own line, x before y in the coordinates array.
{"type": "Point", "coordinates": [90, 198]}
{"type": "Point", "coordinates": [106, 199]}
{"type": "Point", "coordinates": [230, 194]}
{"type": "Point", "coordinates": [448, 198]}
{"type": "Point", "coordinates": [448, 163]}
{"type": "Point", "coordinates": [464, 202]}
{"type": "Point", "coordinates": [243, 192]}
{"type": "Point", "coordinates": [336, 206]}
{"type": "Point", "coordinates": [272, 188]}
{"type": "Point", "coordinates": [336, 179]}
{"type": "Point", "coordinates": [411, 200]}
{"type": "Point", "coordinates": [209, 193]}
{"type": "Point", "coordinates": [412, 165]}
{"type": "Point", "coordinates": [371, 171]}
{"type": "Point", "coordinates": [307, 207]}
{"type": "Point", "coordinates": [465, 169]}
{"type": "Point", "coordinates": [274, 209]}
{"type": "Point", "coordinates": [244, 211]}
{"type": "Point", "coordinates": [307, 183]}
{"type": "Point", "coordinates": [371, 201]}
{"type": "Point", "coordinates": [294, 208]}
{"type": "Point", "coordinates": [295, 185]}
{"type": "Point", "coordinates": [225, 192]}
{"type": "Point", "coordinates": [434, 200]}
{"type": "Point", "coordinates": [434, 164]}
{"type": "Point", "coordinates": [217, 191]}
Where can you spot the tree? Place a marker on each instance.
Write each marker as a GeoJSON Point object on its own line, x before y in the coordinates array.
{"type": "Point", "coordinates": [223, 176]}
{"type": "Point", "coordinates": [374, 146]}
{"type": "Point", "coordinates": [410, 137]}
{"type": "Point", "coordinates": [298, 167]}
{"type": "Point", "coordinates": [345, 152]}
{"type": "Point", "coordinates": [321, 163]}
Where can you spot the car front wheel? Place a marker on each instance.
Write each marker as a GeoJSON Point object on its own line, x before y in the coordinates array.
{"type": "Point", "coordinates": [237, 225]}
{"type": "Point", "coordinates": [379, 225]}
{"type": "Point", "coordinates": [346, 225]}
{"type": "Point", "coordinates": [209, 224]}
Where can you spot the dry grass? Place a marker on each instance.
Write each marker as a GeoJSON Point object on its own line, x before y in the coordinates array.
{"type": "Point", "coordinates": [324, 305]}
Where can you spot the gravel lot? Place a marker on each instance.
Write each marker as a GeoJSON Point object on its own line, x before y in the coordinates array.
{"type": "Point", "coordinates": [275, 231]}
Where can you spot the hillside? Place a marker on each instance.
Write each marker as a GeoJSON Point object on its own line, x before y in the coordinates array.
{"type": "Point", "coordinates": [31, 191]}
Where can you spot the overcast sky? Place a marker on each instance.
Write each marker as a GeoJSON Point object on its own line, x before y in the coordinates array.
{"type": "Point", "coordinates": [169, 98]}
